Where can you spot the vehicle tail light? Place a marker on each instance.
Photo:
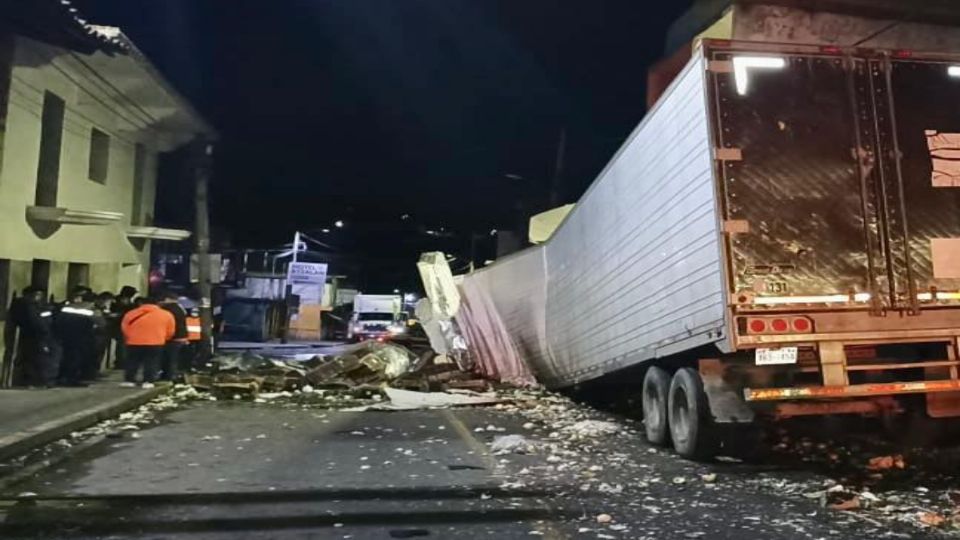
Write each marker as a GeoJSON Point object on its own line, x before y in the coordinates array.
{"type": "Point", "coordinates": [831, 50]}
{"type": "Point", "coordinates": [902, 54]}
{"type": "Point", "coordinates": [779, 325]}
{"type": "Point", "coordinates": [757, 326]}
{"type": "Point", "coordinates": [802, 325]}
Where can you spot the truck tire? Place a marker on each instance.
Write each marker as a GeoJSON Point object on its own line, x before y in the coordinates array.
{"type": "Point", "coordinates": [691, 426]}
{"type": "Point", "coordinates": [656, 388]}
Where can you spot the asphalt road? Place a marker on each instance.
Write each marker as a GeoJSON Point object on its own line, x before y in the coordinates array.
{"type": "Point", "coordinates": [244, 470]}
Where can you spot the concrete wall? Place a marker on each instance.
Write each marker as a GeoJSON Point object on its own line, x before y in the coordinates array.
{"type": "Point", "coordinates": [89, 103]}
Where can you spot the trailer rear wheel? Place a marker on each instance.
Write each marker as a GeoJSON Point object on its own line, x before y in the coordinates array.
{"type": "Point", "coordinates": [689, 413]}
{"type": "Point", "coordinates": [656, 388]}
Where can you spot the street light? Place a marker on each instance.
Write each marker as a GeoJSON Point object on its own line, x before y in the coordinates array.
{"type": "Point", "coordinates": [338, 224]}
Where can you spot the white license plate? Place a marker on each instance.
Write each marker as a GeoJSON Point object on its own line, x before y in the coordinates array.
{"type": "Point", "coordinates": [772, 357]}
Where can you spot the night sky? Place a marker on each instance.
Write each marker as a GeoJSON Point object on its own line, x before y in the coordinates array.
{"type": "Point", "coordinates": [366, 110]}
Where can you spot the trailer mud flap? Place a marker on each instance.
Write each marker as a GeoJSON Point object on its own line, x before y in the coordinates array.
{"type": "Point", "coordinates": [727, 406]}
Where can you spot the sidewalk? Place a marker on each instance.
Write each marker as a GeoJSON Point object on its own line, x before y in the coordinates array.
{"type": "Point", "coordinates": [31, 418]}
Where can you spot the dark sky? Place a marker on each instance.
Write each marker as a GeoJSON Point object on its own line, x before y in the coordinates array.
{"type": "Point", "coordinates": [364, 110]}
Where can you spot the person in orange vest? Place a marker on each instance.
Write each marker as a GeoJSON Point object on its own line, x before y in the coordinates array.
{"type": "Point", "coordinates": [194, 335]}
{"type": "Point", "coordinates": [146, 330]}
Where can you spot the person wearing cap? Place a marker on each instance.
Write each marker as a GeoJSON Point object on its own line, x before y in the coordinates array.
{"type": "Point", "coordinates": [175, 347]}
{"type": "Point", "coordinates": [122, 303]}
{"type": "Point", "coordinates": [38, 356]}
{"type": "Point", "coordinates": [146, 330]}
{"type": "Point", "coordinates": [76, 326]}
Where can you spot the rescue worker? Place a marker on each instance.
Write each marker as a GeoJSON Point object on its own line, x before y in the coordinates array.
{"type": "Point", "coordinates": [76, 326]}
{"type": "Point", "coordinates": [146, 330]}
{"type": "Point", "coordinates": [121, 305]}
{"type": "Point", "coordinates": [194, 335]}
{"type": "Point", "coordinates": [175, 348]}
{"type": "Point", "coordinates": [38, 361]}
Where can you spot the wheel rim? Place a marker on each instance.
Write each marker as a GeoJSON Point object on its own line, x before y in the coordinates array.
{"type": "Point", "coordinates": [680, 415]}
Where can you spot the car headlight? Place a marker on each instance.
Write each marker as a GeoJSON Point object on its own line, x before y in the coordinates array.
{"type": "Point", "coordinates": [396, 329]}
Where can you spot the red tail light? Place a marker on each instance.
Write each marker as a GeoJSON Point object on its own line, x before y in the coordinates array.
{"type": "Point", "coordinates": [802, 325]}
{"type": "Point", "coordinates": [779, 325]}
{"type": "Point", "coordinates": [757, 326]}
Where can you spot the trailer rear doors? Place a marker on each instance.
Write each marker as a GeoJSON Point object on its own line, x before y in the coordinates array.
{"type": "Point", "coordinates": [836, 176]}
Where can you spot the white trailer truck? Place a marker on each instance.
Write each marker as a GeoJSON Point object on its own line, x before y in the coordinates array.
{"type": "Point", "coordinates": [780, 236]}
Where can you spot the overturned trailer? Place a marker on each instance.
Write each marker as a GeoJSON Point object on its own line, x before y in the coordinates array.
{"type": "Point", "coordinates": [780, 236]}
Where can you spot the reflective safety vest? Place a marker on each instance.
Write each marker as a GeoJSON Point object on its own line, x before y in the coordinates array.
{"type": "Point", "coordinates": [194, 329]}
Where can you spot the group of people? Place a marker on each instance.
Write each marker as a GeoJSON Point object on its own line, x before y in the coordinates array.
{"type": "Point", "coordinates": [66, 344]}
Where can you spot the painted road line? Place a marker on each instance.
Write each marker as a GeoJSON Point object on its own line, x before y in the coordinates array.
{"type": "Point", "coordinates": [546, 528]}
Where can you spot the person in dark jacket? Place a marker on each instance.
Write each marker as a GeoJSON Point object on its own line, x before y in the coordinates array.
{"type": "Point", "coordinates": [38, 360]}
{"type": "Point", "coordinates": [104, 303]}
{"type": "Point", "coordinates": [123, 303]}
{"type": "Point", "coordinates": [76, 326]}
{"type": "Point", "coordinates": [174, 349]}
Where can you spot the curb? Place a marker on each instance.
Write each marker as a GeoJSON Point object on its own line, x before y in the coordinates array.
{"type": "Point", "coordinates": [20, 443]}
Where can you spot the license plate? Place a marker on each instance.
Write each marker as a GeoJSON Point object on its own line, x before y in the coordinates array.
{"type": "Point", "coordinates": [772, 357]}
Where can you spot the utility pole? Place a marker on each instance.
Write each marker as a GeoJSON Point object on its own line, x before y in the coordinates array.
{"type": "Point", "coordinates": [202, 165]}
{"type": "Point", "coordinates": [288, 293]}
{"type": "Point", "coordinates": [558, 169]}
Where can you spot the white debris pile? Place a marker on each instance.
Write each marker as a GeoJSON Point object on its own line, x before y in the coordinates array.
{"type": "Point", "coordinates": [512, 444]}
{"type": "Point", "coordinates": [593, 428]}
{"type": "Point", "coordinates": [866, 478]}
{"type": "Point", "coordinates": [125, 425]}
{"type": "Point", "coordinates": [573, 441]}
{"type": "Point", "coordinates": [144, 415]}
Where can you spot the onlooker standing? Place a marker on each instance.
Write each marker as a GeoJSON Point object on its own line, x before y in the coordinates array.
{"type": "Point", "coordinates": [38, 356]}
{"type": "Point", "coordinates": [146, 329]}
{"type": "Point", "coordinates": [121, 305]}
{"type": "Point", "coordinates": [104, 303]}
{"type": "Point", "coordinates": [194, 335]}
{"type": "Point", "coordinates": [76, 327]}
{"type": "Point", "coordinates": [174, 349]}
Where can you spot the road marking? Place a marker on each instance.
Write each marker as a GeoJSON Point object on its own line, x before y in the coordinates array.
{"type": "Point", "coordinates": [546, 528]}
{"type": "Point", "coordinates": [466, 436]}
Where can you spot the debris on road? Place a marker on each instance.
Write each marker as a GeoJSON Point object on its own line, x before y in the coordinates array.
{"type": "Point", "coordinates": [882, 463]}
{"type": "Point", "coordinates": [593, 428]}
{"type": "Point", "coordinates": [931, 519]}
{"type": "Point", "coordinates": [357, 374]}
{"type": "Point", "coordinates": [512, 444]}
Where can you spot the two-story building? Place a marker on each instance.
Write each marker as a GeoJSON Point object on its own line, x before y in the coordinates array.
{"type": "Point", "coordinates": [84, 117]}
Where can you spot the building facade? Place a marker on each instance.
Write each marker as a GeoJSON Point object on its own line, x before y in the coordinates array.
{"type": "Point", "coordinates": [82, 129]}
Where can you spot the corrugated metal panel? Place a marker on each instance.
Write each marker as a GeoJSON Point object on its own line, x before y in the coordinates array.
{"type": "Point", "coordinates": [636, 266]}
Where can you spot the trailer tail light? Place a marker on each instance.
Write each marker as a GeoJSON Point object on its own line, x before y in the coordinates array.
{"type": "Point", "coordinates": [801, 324]}
{"type": "Point", "coordinates": [779, 325]}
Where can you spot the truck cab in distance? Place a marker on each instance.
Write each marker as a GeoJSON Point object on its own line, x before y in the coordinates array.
{"type": "Point", "coordinates": [376, 316]}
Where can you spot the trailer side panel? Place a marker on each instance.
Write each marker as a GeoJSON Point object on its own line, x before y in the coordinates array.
{"type": "Point", "coordinates": [635, 271]}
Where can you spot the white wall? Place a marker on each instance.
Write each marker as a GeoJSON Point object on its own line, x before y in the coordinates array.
{"type": "Point", "coordinates": [89, 103]}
